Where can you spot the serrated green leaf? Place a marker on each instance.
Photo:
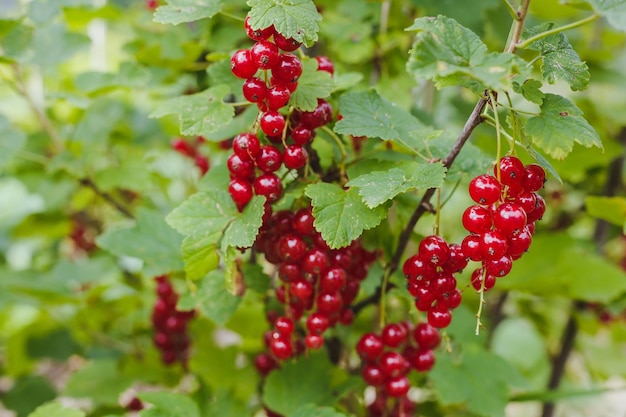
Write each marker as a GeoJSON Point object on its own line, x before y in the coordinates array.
{"type": "Point", "coordinates": [543, 161]}
{"type": "Point", "coordinates": [312, 410]}
{"type": "Point", "coordinates": [610, 209]}
{"type": "Point", "coordinates": [299, 383]}
{"type": "Point", "coordinates": [56, 409]}
{"type": "Point", "coordinates": [313, 84]}
{"type": "Point", "coordinates": [150, 240]}
{"type": "Point", "coordinates": [366, 113]}
{"type": "Point", "coordinates": [379, 186]}
{"type": "Point", "coordinates": [241, 233]}
{"type": "Point", "coordinates": [560, 60]}
{"type": "Point", "coordinates": [199, 114]}
{"type": "Point", "coordinates": [203, 214]}
{"type": "Point", "coordinates": [254, 277]}
{"type": "Point", "coordinates": [613, 10]}
{"type": "Point", "coordinates": [453, 378]}
{"type": "Point", "coordinates": [12, 141]}
{"type": "Point", "coordinates": [530, 89]}
{"type": "Point", "coordinates": [214, 299]}
{"type": "Point", "coordinates": [559, 126]}
{"type": "Point", "coordinates": [168, 404]}
{"type": "Point", "coordinates": [200, 255]}
{"type": "Point", "coordinates": [341, 215]}
{"type": "Point", "coordinates": [449, 54]}
{"type": "Point", "coordinates": [297, 19]}
{"type": "Point", "coordinates": [591, 278]}
{"type": "Point", "coordinates": [180, 11]}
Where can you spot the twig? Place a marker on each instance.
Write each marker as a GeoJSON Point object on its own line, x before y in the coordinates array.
{"type": "Point", "coordinates": [87, 182]}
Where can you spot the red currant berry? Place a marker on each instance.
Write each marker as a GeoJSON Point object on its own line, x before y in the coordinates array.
{"type": "Point", "coordinates": [135, 403]}
{"type": "Point", "coordinates": [346, 315]}
{"type": "Point", "coordinates": [295, 157]}
{"type": "Point", "coordinates": [471, 247]}
{"type": "Point", "coordinates": [426, 336]}
{"type": "Point", "coordinates": [246, 146]}
{"type": "Point", "coordinates": [485, 189]}
{"type": "Point", "coordinates": [289, 272]}
{"type": "Point", "coordinates": [268, 185]}
{"type": "Point", "coordinates": [434, 249]}
{"type": "Point", "coordinates": [477, 280]}
{"type": "Point", "coordinates": [301, 289]}
{"type": "Point", "coordinates": [240, 191]}
{"type": "Point", "coordinates": [450, 300]}
{"type": "Point", "coordinates": [284, 326]}
{"type": "Point", "coordinates": [322, 115]}
{"type": "Point", "coordinates": [534, 178]}
{"type": "Point", "coordinates": [539, 210]}
{"type": "Point", "coordinates": [439, 317]}
{"type": "Point", "coordinates": [301, 134]}
{"type": "Point", "coordinates": [372, 375]}
{"type": "Point", "coordinates": [272, 123]}
{"type": "Point", "coordinates": [268, 159]}
{"type": "Point", "coordinates": [258, 34]}
{"type": "Point", "coordinates": [493, 244]}
{"type": "Point", "coordinates": [264, 54]}
{"type": "Point", "coordinates": [397, 387]}
{"type": "Point", "coordinates": [302, 222]}
{"type": "Point", "coordinates": [317, 323]}
{"type": "Point", "coordinates": [315, 262]}
{"type": "Point", "coordinates": [370, 347]}
{"type": "Point", "coordinates": [499, 267]}
{"type": "Point", "coordinates": [457, 260]}
{"type": "Point", "coordinates": [526, 201]}
{"type": "Point", "coordinates": [254, 89]}
{"type": "Point", "coordinates": [424, 299]}
{"type": "Point", "coordinates": [291, 248]}
{"type": "Point", "coordinates": [202, 163]}
{"type": "Point", "coordinates": [509, 218]}
{"type": "Point", "coordinates": [278, 96]}
{"type": "Point", "coordinates": [511, 170]}
{"type": "Point", "coordinates": [520, 242]}
{"type": "Point", "coordinates": [424, 361]}
{"type": "Point", "coordinates": [281, 348]}
{"type": "Point", "coordinates": [183, 147]}
{"type": "Point", "coordinates": [240, 168]}
{"type": "Point", "coordinates": [418, 269]}
{"type": "Point", "coordinates": [286, 44]}
{"type": "Point", "coordinates": [314, 341]}
{"type": "Point", "coordinates": [288, 69]}
{"type": "Point", "coordinates": [442, 283]}
{"type": "Point", "coordinates": [325, 64]}
{"type": "Point", "coordinates": [242, 65]}
{"type": "Point", "coordinates": [392, 364]}
{"type": "Point", "coordinates": [394, 335]}
{"type": "Point", "coordinates": [265, 363]}
{"type": "Point", "coordinates": [329, 302]}
{"type": "Point", "coordinates": [333, 279]}
{"type": "Point", "coordinates": [477, 219]}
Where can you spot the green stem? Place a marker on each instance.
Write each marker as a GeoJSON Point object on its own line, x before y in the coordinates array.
{"type": "Point", "coordinates": [342, 149]}
{"type": "Point", "coordinates": [232, 16]}
{"type": "Point", "coordinates": [383, 292]}
{"type": "Point", "coordinates": [513, 120]}
{"type": "Point", "coordinates": [510, 8]}
{"type": "Point", "coordinates": [33, 157]}
{"type": "Point", "coordinates": [494, 107]}
{"type": "Point", "coordinates": [556, 30]}
{"type": "Point", "coordinates": [481, 304]}
{"type": "Point", "coordinates": [438, 215]}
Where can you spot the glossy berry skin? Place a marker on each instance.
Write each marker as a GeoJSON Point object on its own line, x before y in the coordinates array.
{"type": "Point", "coordinates": [286, 44]}
{"type": "Point", "coordinates": [240, 168]}
{"type": "Point", "coordinates": [509, 218]}
{"type": "Point", "coordinates": [539, 210]}
{"type": "Point", "coordinates": [242, 65]}
{"type": "Point", "coordinates": [477, 219]}
{"type": "Point", "coordinates": [281, 348]}
{"type": "Point", "coordinates": [333, 279]}
{"type": "Point", "coordinates": [450, 300]}
{"type": "Point", "coordinates": [418, 269]}
{"type": "Point", "coordinates": [317, 323]}
{"type": "Point", "coordinates": [485, 189]}
{"type": "Point", "coordinates": [301, 134]}
{"type": "Point", "coordinates": [392, 364]}
{"type": "Point", "coordinates": [240, 191]}
{"type": "Point", "coordinates": [426, 336]}
{"type": "Point", "coordinates": [264, 54]}
{"type": "Point", "coordinates": [284, 326]}
{"type": "Point", "coordinates": [511, 171]}
{"type": "Point", "coordinates": [493, 244]}
{"type": "Point", "coordinates": [372, 375]}
{"type": "Point", "coordinates": [329, 302]}
{"type": "Point", "coordinates": [471, 247]}
{"type": "Point", "coordinates": [519, 243]}
{"type": "Point", "coordinates": [302, 221]}
{"type": "Point", "coordinates": [321, 116]}
{"type": "Point", "coordinates": [257, 34]}
{"type": "Point", "coordinates": [291, 248]}
{"type": "Point", "coordinates": [397, 387]}
{"type": "Point", "coordinates": [315, 262]}
{"type": "Point", "coordinates": [442, 283]}
{"type": "Point", "coordinates": [499, 267]}
{"type": "Point", "coordinates": [457, 260]}
{"type": "Point", "coordinates": [439, 317]}
{"type": "Point", "coordinates": [272, 123]}
{"type": "Point", "coordinates": [477, 280]}
{"type": "Point", "coordinates": [289, 272]}
{"type": "Point", "coordinates": [254, 89]}
{"type": "Point", "coordinates": [394, 335]}
{"type": "Point", "coordinates": [268, 159]}
{"type": "Point", "coordinates": [295, 157]}
{"type": "Point", "coordinates": [424, 361]}
{"type": "Point", "coordinates": [534, 178]}
{"type": "Point", "coordinates": [369, 347]}
{"type": "Point", "coordinates": [277, 96]}
{"type": "Point", "coordinates": [325, 64]}
{"type": "Point", "coordinates": [246, 146]}
{"type": "Point", "coordinates": [314, 341]}
{"type": "Point", "coordinates": [301, 289]}
{"type": "Point", "coordinates": [287, 70]}
{"type": "Point", "coordinates": [434, 249]}
{"type": "Point", "coordinates": [268, 185]}
{"type": "Point", "coordinates": [265, 363]}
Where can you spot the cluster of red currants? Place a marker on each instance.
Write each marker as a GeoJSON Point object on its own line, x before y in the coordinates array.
{"type": "Point", "coordinates": [501, 225]}
{"type": "Point", "coordinates": [316, 284]}
{"type": "Point", "coordinates": [170, 325]}
{"type": "Point", "coordinates": [191, 150]}
{"type": "Point", "coordinates": [390, 356]}
{"type": "Point", "coordinates": [271, 77]}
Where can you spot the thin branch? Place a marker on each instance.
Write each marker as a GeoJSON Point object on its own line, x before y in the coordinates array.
{"type": "Point", "coordinates": [87, 182]}
{"type": "Point", "coordinates": [556, 30]}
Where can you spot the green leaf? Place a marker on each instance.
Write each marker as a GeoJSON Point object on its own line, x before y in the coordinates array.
{"type": "Point", "coordinates": [455, 381]}
{"type": "Point", "coordinates": [610, 209]}
{"type": "Point", "coordinates": [180, 11]}
{"type": "Point", "coordinates": [200, 255]}
{"type": "Point", "coordinates": [53, 44]}
{"type": "Point", "coordinates": [254, 277]}
{"type": "Point", "coordinates": [449, 54]}
{"type": "Point", "coordinates": [150, 240]}
{"type": "Point", "coordinates": [313, 84]}
{"type": "Point", "coordinates": [613, 10]}
{"type": "Point", "coordinates": [379, 186]}
{"type": "Point", "coordinates": [168, 404]}
{"type": "Point", "coordinates": [297, 19]}
{"type": "Point", "coordinates": [591, 278]}
{"type": "Point", "coordinates": [560, 60]}
{"type": "Point", "coordinates": [530, 89]}
{"type": "Point", "coordinates": [214, 299]}
{"type": "Point", "coordinates": [56, 410]}
{"type": "Point", "coordinates": [27, 393]}
{"type": "Point", "coordinates": [341, 215]}
{"type": "Point", "coordinates": [312, 410]}
{"type": "Point", "coordinates": [366, 113]}
{"type": "Point", "coordinates": [242, 232]}
{"type": "Point", "coordinates": [13, 141]}
{"type": "Point", "coordinates": [299, 383]}
{"type": "Point", "coordinates": [203, 214]}
{"type": "Point", "coordinates": [559, 125]}
{"type": "Point", "coordinates": [100, 380]}
{"type": "Point", "coordinates": [199, 114]}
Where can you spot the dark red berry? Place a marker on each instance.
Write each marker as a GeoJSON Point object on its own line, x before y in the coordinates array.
{"type": "Point", "coordinates": [534, 178]}
{"type": "Point", "coordinates": [418, 269]}
{"type": "Point", "coordinates": [434, 249]}
{"type": "Point", "coordinates": [426, 336]}
{"type": "Point", "coordinates": [392, 364]}
{"type": "Point", "coordinates": [439, 317]}
{"type": "Point", "coordinates": [284, 326]}
{"type": "Point", "coordinates": [370, 346]}
{"type": "Point", "coordinates": [424, 361]}
{"type": "Point", "coordinates": [493, 244]}
{"type": "Point", "coordinates": [295, 157]}
{"type": "Point", "coordinates": [254, 89]}
{"type": "Point", "coordinates": [183, 147]}
{"type": "Point", "coordinates": [268, 159]}
{"type": "Point", "coordinates": [281, 348]}
{"type": "Point", "coordinates": [277, 96]}
{"type": "Point", "coordinates": [397, 387]}
{"type": "Point", "coordinates": [265, 363]}
{"type": "Point", "coordinates": [286, 44]}
{"type": "Point", "coordinates": [240, 168]}
{"type": "Point", "coordinates": [242, 65]}
{"type": "Point", "coordinates": [499, 267]}
{"type": "Point", "coordinates": [539, 210]}
{"type": "Point", "coordinates": [511, 171]}
{"type": "Point", "coordinates": [258, 34]}
{"type": "Point", "coordinates": [325, 64]}
{"type": "Point", "coordinates": [301, 134]}
{"type": "Point", "coordinates": [477, 219]}
{"type": "Point", "coordinates": [268, 185]}
{"type": "Point", "coordinates": [372, 375]}
{"type": "Point", "coordinates": [246, 146]}
{"type": "Point", "coordinates": [291, 248]}
{"type": "Point", "coordinates": [394, 335]}
{"type": "Point", "coordinates": [314, 341]}
{"type": "Point", "coordinates": [329, 302]}
{"type": "Point", "coordinates": [315, 262]}
{"type": "Point", "coordinates": [301, 289]}
{"type": "Point", "coordinates": [317, 323]}
{"type": "Point", "coordinates": [471, 247]}
{"type": "Point", "coordinates": [333, 279]}
{"type": "Point", "coordinates": [485, 189]}
{"type": "Point", "coordinates": [240, 191]}
{"type": "Point", "coordinates": [264, 54]}
{"type": "Point", "coordinates": [288, 69]}
{"type": "Point", "coordinates": [302, 221]}
{"type": "Point", "coordinates": [457, 260]}
{"type": "Point", "coordinates": [272, 123]}
{"type": "Point", "coordinates": [477, 280]}
{"type": "Point", "coordinates": [322, 115]}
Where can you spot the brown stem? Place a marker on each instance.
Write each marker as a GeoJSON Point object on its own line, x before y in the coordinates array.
{"type": "Point", "coordinates": [87, 182]}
